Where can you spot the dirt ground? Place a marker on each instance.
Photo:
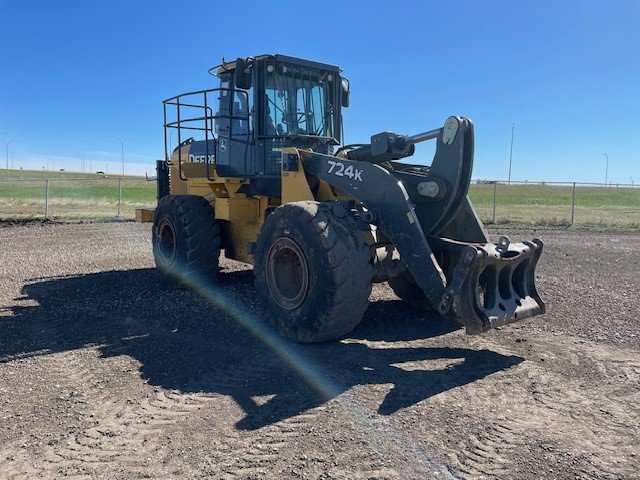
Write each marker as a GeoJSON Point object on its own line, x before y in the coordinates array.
{"type": "Point", "coordinates": [105, 373]}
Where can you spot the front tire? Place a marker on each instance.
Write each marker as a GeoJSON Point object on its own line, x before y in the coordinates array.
{"type": "Point", "coordinates": [186, 240]}
{"type": "Point", "coordinates": [312, 271]}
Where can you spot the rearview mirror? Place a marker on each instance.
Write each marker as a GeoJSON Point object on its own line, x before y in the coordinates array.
{"type": "Point", "coordinates": [243, 75]}
{"type": "Point", "coordinates": [345, 92]}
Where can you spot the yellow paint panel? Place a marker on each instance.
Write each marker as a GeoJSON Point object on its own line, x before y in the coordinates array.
{"type": "Point", "coordinates": [240, 234]}
{"type": "Point", "coordinates": [144, 215]}
{"type": "Point", "coordinates": [295, 187]}
{"type": "Point", "coordinates": [234, 209]}
{"type": "Point", "coordinates": [197, 170]}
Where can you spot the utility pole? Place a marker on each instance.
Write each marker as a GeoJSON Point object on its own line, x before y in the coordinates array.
{"type": "Point", "coordinates": [122, 149]}
{"type": "Point", "coordinates": [606, 169]}
{"type": "Point", "coordinates": [6, 144]}
{"type": "Point", "coordinates": [513, 128]}
{"type": "Point", "coordinates": [90, 166]}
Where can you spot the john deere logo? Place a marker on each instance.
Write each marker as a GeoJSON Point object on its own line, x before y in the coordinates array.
{"type": "Point", "coordinates": [201, 158]}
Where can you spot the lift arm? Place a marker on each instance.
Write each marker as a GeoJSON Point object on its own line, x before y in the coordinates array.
{"type": "Point", "coordinates": [414, 206]}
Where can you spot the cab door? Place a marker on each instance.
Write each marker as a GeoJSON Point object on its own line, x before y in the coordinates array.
{"type": "Point", "coordinates": [234, 130]}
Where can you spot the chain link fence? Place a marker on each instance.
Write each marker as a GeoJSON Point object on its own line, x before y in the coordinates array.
{"type": "Point", "coordinates": [72, 199]}
{"type": "Point", "coordinates": [557, 204]}
{"type": "Point", "coordinates": [499, 203]}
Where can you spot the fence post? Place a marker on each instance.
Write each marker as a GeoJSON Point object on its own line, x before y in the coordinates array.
{"type": "Point", "coordinates": [495, 187]}
{"type": "Point", "coordinates": [573, 204]}
{"type": "Point", "coordinates": [46, 198]}
{"type": "Point", "coordinates": [119, 196]}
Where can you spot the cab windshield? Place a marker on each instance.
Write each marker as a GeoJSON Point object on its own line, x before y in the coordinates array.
{"type": "Point", "coordinates": [298, 101]}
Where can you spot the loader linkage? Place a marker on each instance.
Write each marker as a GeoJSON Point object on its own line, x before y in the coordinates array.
{"type": "Point", "coordinates": [426, 215]}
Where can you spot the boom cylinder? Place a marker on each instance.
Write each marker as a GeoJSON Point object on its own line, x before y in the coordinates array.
{"type": "Point", "coordinates": [422, 137]}
{"type": "Point", "coordinates": [388, 146]}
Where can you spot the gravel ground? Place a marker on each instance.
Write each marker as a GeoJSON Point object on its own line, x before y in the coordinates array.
{"type": "Point", "coordinates": [105, 373]}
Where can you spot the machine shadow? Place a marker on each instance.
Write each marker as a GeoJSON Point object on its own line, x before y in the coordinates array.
{"type": "Point", "coordinates": [190, 343]}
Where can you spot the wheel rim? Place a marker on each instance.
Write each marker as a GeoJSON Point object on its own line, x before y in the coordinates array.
{"type": "Point", "coordinates": [166, 242]}
{"type": "Point", "coordinates": [287, 273]}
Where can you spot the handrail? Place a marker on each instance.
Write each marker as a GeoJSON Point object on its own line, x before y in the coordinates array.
{"type": "Point", "coordinates": [186, 123]}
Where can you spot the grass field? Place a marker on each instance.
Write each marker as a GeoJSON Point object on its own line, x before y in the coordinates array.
{"type": "Point", "coordinates": [72, 196]}
{"type": "Point", "coordinates": [75, 196]}
{"type": "Point", "coordinates": [551, 206]}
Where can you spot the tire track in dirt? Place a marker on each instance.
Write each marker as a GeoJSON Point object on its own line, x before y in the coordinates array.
{"type": "Point", "coordinates": [598, 417]}
{"type": "Point", "coordinates": [256, 452]}
{"type": "Point", "coordinates": [260, 452]}
{"type": "Point", "coordinates": [484, 454]}
{"type": "Point", "coordinates": [125, 430]}
{"type": "Point", "coordinates": [15, 465]}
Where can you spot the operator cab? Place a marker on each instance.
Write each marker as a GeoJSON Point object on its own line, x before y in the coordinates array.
{"type": "Point", "coordinates": [262, 105]}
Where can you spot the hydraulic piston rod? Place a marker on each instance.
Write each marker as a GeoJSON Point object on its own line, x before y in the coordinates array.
{"type": "Point", "coordinates": [422, 137]}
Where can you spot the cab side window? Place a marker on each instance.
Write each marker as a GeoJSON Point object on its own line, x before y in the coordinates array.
{"type": "Point", "coordinates": [243, 112]}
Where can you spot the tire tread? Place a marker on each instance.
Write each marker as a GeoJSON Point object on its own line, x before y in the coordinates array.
{"type": "Point", "coordinates": [193, 217]}
{"type": "Point", "coordinates": [344, 254]}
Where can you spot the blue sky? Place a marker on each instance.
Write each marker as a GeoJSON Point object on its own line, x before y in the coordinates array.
{"type": "Point", "coordinates": [74, 74]}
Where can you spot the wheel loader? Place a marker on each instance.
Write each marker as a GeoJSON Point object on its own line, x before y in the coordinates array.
{"type": "Point", "coordinates": [260, 172]}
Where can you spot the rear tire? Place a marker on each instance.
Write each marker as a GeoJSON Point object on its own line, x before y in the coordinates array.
{"type": "Point", "coordinates": [186, 240]}
{"type": "Point", "coordinates": [406, 288]}
{"type": "Point", "coordinates": [312, 271]}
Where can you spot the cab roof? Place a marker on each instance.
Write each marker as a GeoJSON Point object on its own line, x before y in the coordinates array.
{"type": "Point", "coordinates": [229, 66]}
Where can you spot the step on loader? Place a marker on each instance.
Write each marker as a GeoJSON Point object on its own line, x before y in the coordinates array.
{"type": "Point", "coordinates": [260, 172]}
